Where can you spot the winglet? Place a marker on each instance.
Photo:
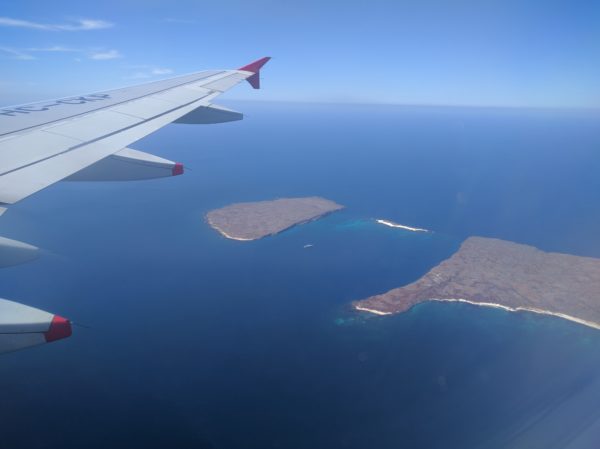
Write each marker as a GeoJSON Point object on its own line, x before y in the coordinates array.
{"type": "Point", "coordinates": [255, 67]}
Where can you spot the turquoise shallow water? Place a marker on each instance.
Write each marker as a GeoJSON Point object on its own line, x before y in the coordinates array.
{"type": "Point", "coordinates": [201, 342]}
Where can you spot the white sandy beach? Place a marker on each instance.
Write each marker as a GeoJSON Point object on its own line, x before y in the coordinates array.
{"type": "Point", "coordinates": [499, 306]}
{"type": "Point", "coordinates": [391, 224]}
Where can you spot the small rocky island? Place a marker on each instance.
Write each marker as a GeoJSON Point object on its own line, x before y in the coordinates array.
{"type": "Point", "coordinates": [511, 276]}
{"type": "Point", "coordinates": [252, 221]}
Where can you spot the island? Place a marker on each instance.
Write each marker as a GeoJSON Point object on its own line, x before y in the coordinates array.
{"type": "Point", "coordinates": [255, 220]}
{"type": "Point", "coordinates": [511, 276]}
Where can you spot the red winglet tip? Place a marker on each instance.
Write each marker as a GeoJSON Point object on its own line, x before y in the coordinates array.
{"type": "Point", "coordinates": [177, 169]}
{"type": "Point", "coordinates": [255, 66]}
{"type": "Point", "coordinates": [59, 328]}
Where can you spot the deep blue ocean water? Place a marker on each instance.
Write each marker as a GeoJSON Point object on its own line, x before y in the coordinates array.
{"type": "Point", "coordinates": [195, 341]}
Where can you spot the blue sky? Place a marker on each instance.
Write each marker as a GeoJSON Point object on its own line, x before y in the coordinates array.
{"type": "Point", "coordinates": [485, 52]}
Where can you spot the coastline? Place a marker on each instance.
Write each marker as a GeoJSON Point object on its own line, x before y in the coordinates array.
{"type": "Point", "coordinates": [376, 312]}
{"type": "Point", "coordinates": [497, 306]}
{"type": "Point", "coordinates": [224, 234]}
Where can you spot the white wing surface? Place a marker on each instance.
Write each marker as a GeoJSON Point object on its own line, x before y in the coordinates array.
{"type": "Point", "coordinates": [42, 143]}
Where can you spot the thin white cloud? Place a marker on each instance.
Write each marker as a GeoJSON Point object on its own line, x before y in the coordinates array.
{"type": "Point", "coordinates": [27, 53]}
{"type": "Point", "coordinates": [8, 22]}
{"type": "Point", "coordinates": [161, 71]}
{"type": "Point", "coordinates": [53, 49]}
{"type": "Point", "coordinates": [16, 54]}
{"type": "Point", "coordinates": [147, 71]}
{"type": "Point", "coordinates": [77, 25]}
{"type": "Point", "coordinates": [86, 25]}
{"type": "Point", "coordinates": [105, 55]}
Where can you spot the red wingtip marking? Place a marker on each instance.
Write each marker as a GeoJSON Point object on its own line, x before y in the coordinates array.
{"type": "Point", "coordinates": [59, 328]}
{"type": "Point", "coordinates": [255, 66]}
{"type": "Point", "coordinates": [177, 169]}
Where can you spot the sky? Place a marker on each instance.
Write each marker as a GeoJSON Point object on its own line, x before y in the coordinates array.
{"type": "Point", "coordinates": [535, 53]}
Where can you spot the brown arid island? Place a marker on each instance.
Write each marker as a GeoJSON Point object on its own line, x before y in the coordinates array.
{"type": "Point", "coordinates": [252, 221]}
{"type": "Point", "coordinates": [510, 276]}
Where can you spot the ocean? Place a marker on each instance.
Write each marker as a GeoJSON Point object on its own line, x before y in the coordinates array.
{"type": "Point", "coordinates": [190, 340]}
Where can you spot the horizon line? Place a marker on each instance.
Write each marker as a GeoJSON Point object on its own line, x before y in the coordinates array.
{"type": "Point", "coordinates": [423, 105]}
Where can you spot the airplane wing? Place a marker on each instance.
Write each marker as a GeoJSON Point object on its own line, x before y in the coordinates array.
{"type": "Point", "coordinates": [22, 326]}
{"type": "Point", "coordinates": [88, 138]}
